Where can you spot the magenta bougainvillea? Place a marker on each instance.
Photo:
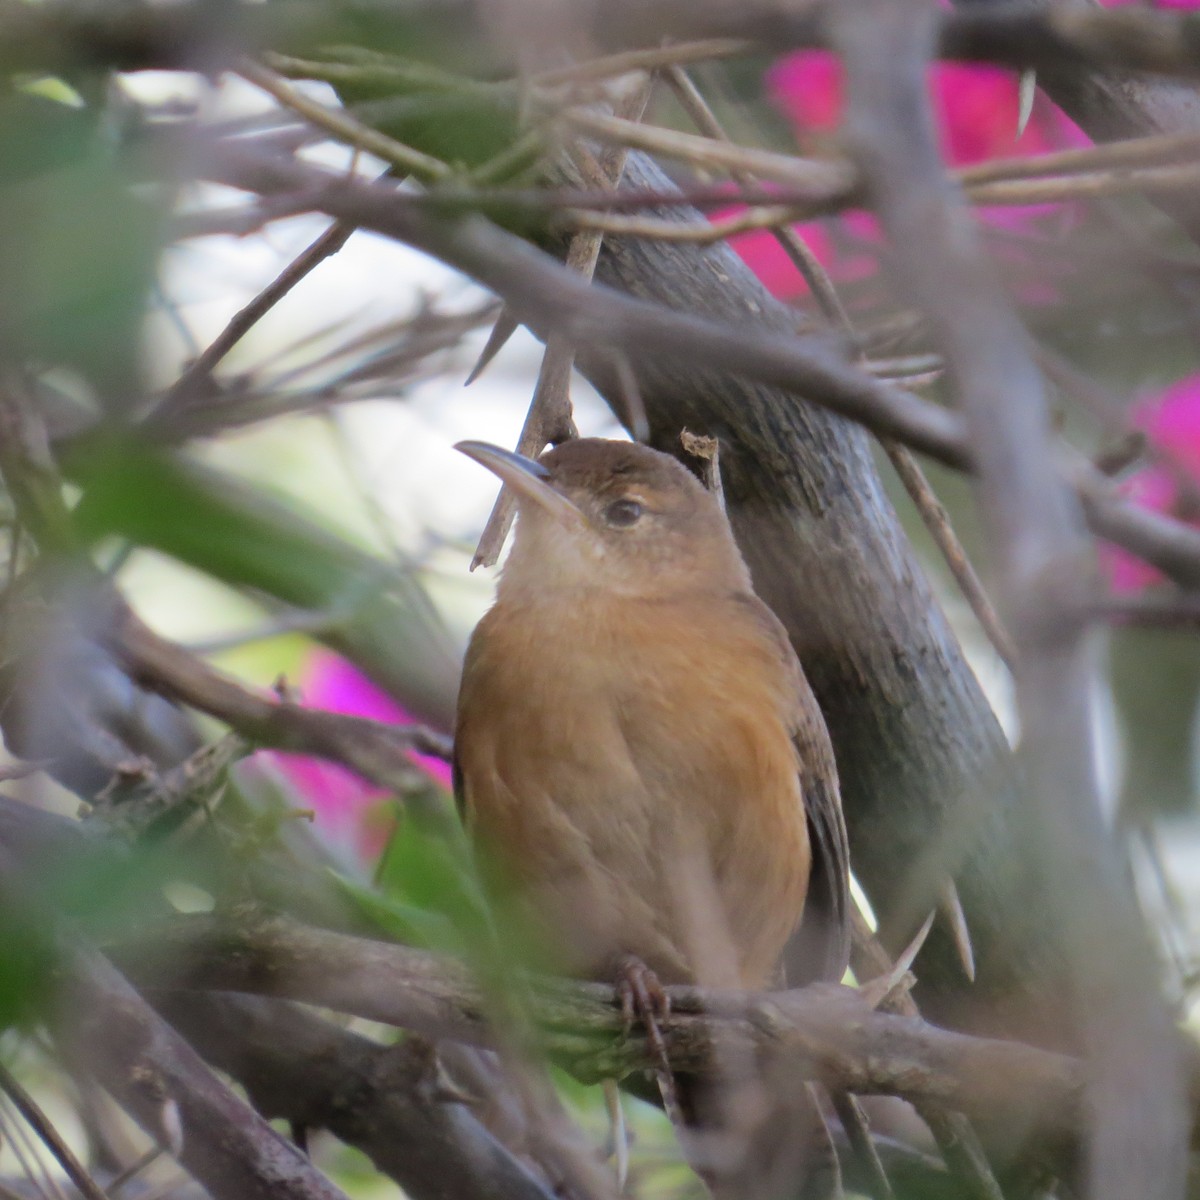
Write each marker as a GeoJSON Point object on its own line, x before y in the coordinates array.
{"type": "Point", "coordinates": [347, 809]}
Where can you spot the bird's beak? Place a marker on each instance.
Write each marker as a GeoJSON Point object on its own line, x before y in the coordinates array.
{"type": "Point", "coordinates": [529, 479]}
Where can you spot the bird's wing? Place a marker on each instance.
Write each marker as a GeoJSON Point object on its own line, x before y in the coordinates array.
{"type": "Point", "coordinates": [820, 947]}
{"type": "Point", "coordinates": [475, 675]}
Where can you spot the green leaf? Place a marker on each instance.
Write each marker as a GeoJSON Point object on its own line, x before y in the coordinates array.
{"type": "Point", "coordinates": [405, 923]}
{"type": "Point", "coordinates": [79, 244]}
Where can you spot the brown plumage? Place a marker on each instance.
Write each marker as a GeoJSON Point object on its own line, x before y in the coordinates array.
{"type": "Point", "coordinates": [639, 758]}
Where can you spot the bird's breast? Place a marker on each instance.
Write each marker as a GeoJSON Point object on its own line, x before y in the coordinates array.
{"type": "Point", "coordinates": [630, 776]}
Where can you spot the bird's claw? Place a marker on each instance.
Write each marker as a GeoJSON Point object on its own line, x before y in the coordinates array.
{"type": "Point", "coordinates": [643, 998]}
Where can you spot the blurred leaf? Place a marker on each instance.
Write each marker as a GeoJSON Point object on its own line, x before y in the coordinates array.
{"type": "Point", "coordinates": [428, 867]}
{"type": "Point", "coordinates": [405, 923]}
{"type": "Point", "coordinates": [1156, 686]}
{"type": "Point", "coordinates": [462, 121]}
{"type": "Point", "coordinates": [80, 248]}
{"type": "Point", "coordinates": [26, 963]}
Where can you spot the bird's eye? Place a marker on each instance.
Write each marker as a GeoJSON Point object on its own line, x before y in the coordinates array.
{"type": "Point", "coordinates": [623, 513]}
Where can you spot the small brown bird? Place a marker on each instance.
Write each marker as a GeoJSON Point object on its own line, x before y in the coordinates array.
{"type": "Point", "coordinates": [640, 761]}
{"type": "Point", "coordinates": [638, 754]}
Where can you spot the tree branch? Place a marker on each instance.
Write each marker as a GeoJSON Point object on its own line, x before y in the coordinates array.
{"type": "Point", "coordinates": [385, 1100]}
{"type": "Point", "coordinates": [108, 1030]}
{"type": "Point", "coordinates": [1137, 1141]}
{"type": "Point", "coordinates": [828, 1033]}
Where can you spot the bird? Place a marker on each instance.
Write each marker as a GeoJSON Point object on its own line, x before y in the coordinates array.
{"type": "Point", "coordinates": [639, 760]}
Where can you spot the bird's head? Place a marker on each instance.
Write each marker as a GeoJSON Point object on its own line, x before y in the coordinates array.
{"type": "Point", "coordinates": [611, 514]}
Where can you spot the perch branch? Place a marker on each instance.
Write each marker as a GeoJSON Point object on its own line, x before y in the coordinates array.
{"type": "Point", "coordinates": [832, 1032]}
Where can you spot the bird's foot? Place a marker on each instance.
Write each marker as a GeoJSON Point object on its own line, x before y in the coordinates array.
{"type": "Point", "coordinates": [643, 998]}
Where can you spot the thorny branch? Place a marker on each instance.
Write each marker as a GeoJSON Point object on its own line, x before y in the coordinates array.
{"type": "Point", "coordinates": [831, 1032]}
{"type": "Point", "coordinates": [543, 293]}
{"type": "Point", "coordinates": [1036, 531]}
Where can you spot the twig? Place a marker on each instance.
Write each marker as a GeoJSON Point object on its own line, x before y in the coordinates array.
{"type": "Point", "coordinates": [858, 1133]}
{"type": "Point", "coordinates": [134, 1169]}
{"type": "Point", "coordinates": [937, 521]}
{"type": "Point", "coordinates": [826, 187]}
{"type": "Point", "coordinates": [1154, 150]}
{"type": "Point", "coordinates": [17, 1139]}
{"type": "Point", "coordinates": [44, 1128]}
{"type": "Point", "coordinates": [549, 419]}
{"type": "Point", "coordinates": [782, 215]}
{"type": "Point", "coordinates": [676, 54]}
{"type": "Point", "coordinates": [1117, 182]}
{"type": "Point", "coordinates": [373, 748]}
{"type": "Point", "coordinates": [543, 294]}
{"type": "Point", "coordinates": [824, 183]}
{"type": "Point", "coordinates": [343, 126]}
{"type": "Point", "coordinates": [199, 372]}
{"type": "Point", "coordinates": [699, 233]}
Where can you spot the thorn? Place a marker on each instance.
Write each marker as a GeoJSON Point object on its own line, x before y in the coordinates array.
{"type": "Point", "coordinates": [620, 1134]}
{"type": "Point", "coordinates": [635, 408]}
{"type": "Point", "coordinates": [505, 326]}
{"type": "Point", "coordinates": [1026, 94]}
{"type": "Point", "coordinates": [171, 1122]}
{"type": "Point", "coordinates": [643, 998]}
{"type": "Point", "coordinates": [951, 908]}
{"type": "Point", "coordinates": [877, 990]}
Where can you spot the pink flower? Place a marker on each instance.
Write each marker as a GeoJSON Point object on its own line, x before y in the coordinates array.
{"type": "Point", "coordinates": [1172, 423]}
{"type": "Point", "coordinates": [348, 809]}
{"type": "Point", "coordinates": [977, 108]}
{"type": "Point", "coordinates": [1153, 3]}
